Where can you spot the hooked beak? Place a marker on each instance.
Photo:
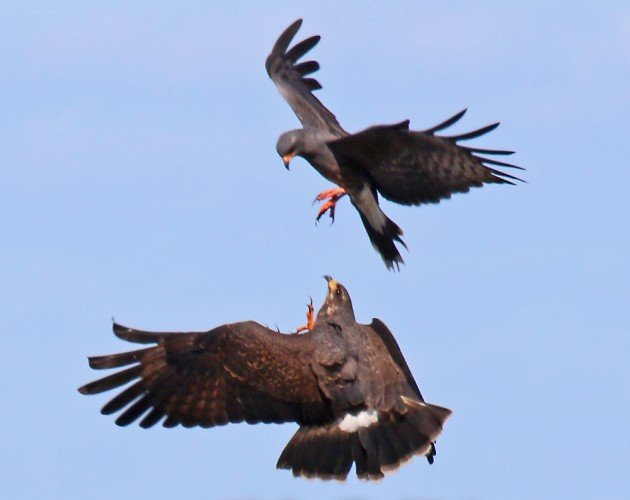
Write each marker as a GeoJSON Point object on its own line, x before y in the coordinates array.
{"type": "Point", "coordinates": [332, 284]}
{"type": "Point", "coordinates": [287, 159]}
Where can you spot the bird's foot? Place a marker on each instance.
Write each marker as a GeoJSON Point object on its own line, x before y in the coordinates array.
{"type": "Point", "coordinates": [310, 319]}
{"type": "Point", "coordinates": [333, 196]}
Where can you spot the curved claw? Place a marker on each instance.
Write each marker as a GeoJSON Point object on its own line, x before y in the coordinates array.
{"type": "Point", "coordinates": [329, 207]}
{"type": "Point", "coordinates": [310, 318]}
{"type": "Point", "coordinates": [333, 196]}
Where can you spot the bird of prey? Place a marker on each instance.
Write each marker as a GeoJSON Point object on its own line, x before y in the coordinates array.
{"type": "Point", "coordinates": [346, 384]}
{"type": "Point", "coordinates": [402, 165]}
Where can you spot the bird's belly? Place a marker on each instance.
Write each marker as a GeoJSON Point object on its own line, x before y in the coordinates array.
{"type": "Point", "coordinates": [332, 175]}
{"type": "Point", "coordinates": [327, 166]}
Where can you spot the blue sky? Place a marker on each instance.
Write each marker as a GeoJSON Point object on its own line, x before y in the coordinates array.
{"type": "Point", "coordinates": [139, 180]}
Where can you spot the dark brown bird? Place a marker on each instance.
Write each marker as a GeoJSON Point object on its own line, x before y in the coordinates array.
{"type": "Point", "coordinates": [347, 385]}
{"type": "Point", "coordinates": [404, 166]}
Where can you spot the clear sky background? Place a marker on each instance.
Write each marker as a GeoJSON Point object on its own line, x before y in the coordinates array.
{"type": "Point", "coordinates": [139, 180]}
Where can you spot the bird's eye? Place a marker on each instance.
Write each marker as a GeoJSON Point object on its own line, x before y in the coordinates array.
{"type": "Point", "coordinates": [338, 291]}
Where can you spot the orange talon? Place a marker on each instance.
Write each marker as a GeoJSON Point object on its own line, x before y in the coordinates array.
{"type": "Point", "coordinates": [310, 319]}
{"type": "Point", "coordinates": [329, 205]}
{"type": "Point", "coordinates": [333, 195]}
{"type": "Point", "coordinates": [330, 193]}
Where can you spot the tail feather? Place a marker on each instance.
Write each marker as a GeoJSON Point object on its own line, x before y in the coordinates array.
{"type": "Point", "coordinates": [388, 454]}
{"type": "Point", "coordinates": [359, 455]}
{"type": "Point", "coordinates": [402, 447]}
{"type": "Point", "coordinates": [328, 452]}
{"type": "Point", "coordinates": [317, 452]}
{"type": "Point", "coordinates": [344, 457]}
{"type": "Point", "coordinates": [369, 441]}
{"type": "Point", "coordinates": [315, 461]}
{"type": "Point", "coordinates": [383, 241]}
{"type": "Point", "coordinates": [327, 448]}
{"type": "Point", "coordinates": [293, 454]}
{"type": "Point", "coordinates": [382, 231]}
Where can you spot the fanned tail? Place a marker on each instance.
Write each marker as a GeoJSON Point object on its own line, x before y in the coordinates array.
{"type": "Point", "coordinates": [375, 442]}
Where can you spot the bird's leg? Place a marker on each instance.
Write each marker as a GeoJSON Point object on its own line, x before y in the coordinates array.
{"type": "Point", "coordinates": [310, 319]}
{"type": "Point", "coordinates": [332, 195]}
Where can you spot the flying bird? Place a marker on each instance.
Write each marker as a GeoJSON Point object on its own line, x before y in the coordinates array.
{"type": "Point", "coordinates": [346, 384]}
{"type": "Point", "coordinates": [402, 165]}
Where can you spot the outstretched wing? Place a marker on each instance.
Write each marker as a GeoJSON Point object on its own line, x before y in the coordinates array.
{"type": "Point", "coordinates": [233, 373]}
{"type": "Point", "coordinates": [412, 168]}
{"type": "Point", "coordinates": [291, 79]}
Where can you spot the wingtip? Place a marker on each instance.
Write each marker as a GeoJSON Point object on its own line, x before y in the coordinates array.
{"type": "Point", "coordinates": [117, 328]}
{"type": "Point", "coordinates": [285, 38]}
{"type": "Point", "coordinates": [474, 134]}
{"type": "Point", "coordinates": [293, 27]}
{"type": "Point", "coordinates": [483, 151]}
{"type": "Point", "coordinates": [457, 116]}
{"type": "Point", "coordinates": [446, 123]}
{"type": "Point", "coordinates": [124, 332]}
{"type": "Point", "coordinates": [93, 363]}
{"type": "Point", "coordinates": [490, 161]}
{"type": "Point", "coordinates": [492, 126]}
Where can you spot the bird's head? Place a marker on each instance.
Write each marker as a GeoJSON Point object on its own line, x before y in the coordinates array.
{"type": "Point", "coordinates": [337, 303]}
{"type": "Point", "coordinates": [289, 145]}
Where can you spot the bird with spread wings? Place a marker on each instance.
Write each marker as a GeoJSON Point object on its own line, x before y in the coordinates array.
{"type": "Point", "coordinates": [402, 165]}
{"type": "Point", "coordinates": [346, 384]}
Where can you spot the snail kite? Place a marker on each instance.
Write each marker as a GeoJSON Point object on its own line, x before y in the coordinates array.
{"type": "Point", "coordinates": [405, 166]}
{"type": "Point", "coordinates": [347, 385]}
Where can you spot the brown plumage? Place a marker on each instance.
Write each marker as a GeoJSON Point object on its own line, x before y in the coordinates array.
{"type": "Point", "coordinates": [347, 385]}
{"type": "Point", "coordinates": [404, 166]}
